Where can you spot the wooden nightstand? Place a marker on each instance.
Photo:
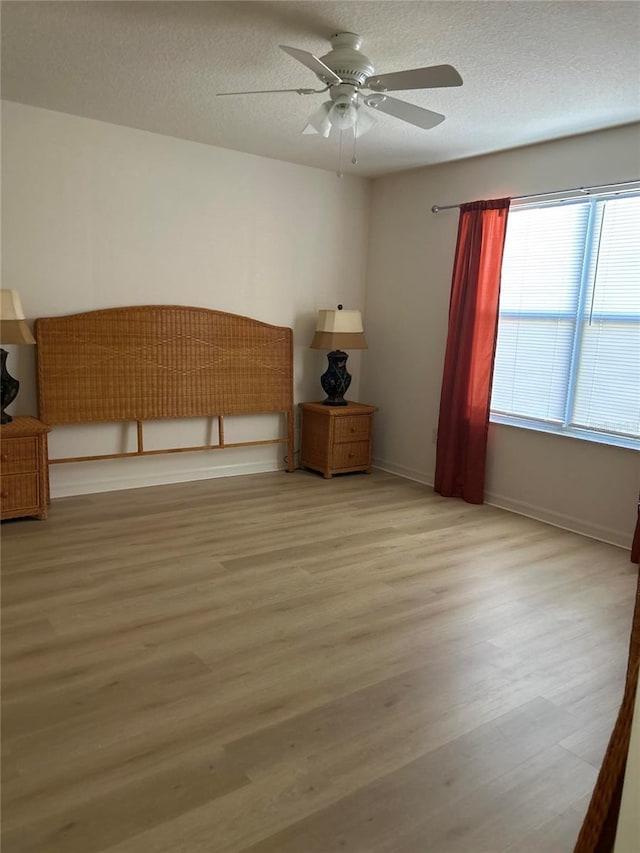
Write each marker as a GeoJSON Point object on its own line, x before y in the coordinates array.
{"type": "Point", "coordinates": [336, 439]}
{"type": "Point", "coordinates": [24, 471]}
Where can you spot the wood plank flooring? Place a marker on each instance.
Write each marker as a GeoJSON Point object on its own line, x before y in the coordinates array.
{"type": "Point", "coordinates": [279, 663]}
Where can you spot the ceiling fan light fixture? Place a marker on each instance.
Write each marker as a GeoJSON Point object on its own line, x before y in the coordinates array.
{"type": "Point", "coordinates": [319, 121]}
{"type": "Point", "coordinates": [343, 114]}
{"type": "Point", "coordinates": [364, 123]}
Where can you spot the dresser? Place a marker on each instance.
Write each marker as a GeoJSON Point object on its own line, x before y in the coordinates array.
{"type": "Point", "coordinates": [336, 439]}
{"type": "Point", "coordinates": [24, 471]}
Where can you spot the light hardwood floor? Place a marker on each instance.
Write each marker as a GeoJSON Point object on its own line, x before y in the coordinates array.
{"type": "Point", "coordinates": [280, 663]}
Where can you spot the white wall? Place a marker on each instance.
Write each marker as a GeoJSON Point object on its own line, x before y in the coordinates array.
{"type": "Point", "coordinates": [96, 215]}
{"type": "Point", "coordinates": [579, 485]}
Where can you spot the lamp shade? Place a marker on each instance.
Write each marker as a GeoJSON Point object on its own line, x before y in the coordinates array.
{"type": "Point", "coordinates": [339, 329]}
{"type": "Point", "coordinates": [319, 121]}
{"type": "Point", "coordinates": [13, 326]}
{"type": "Point", "coordinates": [365, 122]}
{"type": "Point", "coordinates": [343, 114]}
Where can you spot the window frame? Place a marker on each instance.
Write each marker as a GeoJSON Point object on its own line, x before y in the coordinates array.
{"type": "Point", "coordinates": [576, 316]}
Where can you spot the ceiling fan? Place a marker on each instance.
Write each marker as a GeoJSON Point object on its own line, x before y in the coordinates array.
{"type": "Point", "coordinates": [346, 72]}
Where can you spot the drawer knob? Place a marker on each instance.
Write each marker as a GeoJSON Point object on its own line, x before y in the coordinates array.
{"type": "Point", "coordinates": [353, 429]}
{"type": "Point", "coordinates": [4, 457]}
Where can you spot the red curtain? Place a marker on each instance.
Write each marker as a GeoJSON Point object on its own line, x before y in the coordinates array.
{"type": "Point", "coordinates": [468, 366]}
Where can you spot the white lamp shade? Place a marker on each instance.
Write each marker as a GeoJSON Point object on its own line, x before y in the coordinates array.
{"type": "Point", "coordinates": [13, 326]}
{"type": "Point", "coordinates": [343, 114]}
{"type": "Point", "coordinates": [346, 321]}
{"type": "Point", "coordinates": [364, 122]}
{"type": "Point", "coordinates": [337, 329]}
{"type": "Point", "coordinates": [319, 121]}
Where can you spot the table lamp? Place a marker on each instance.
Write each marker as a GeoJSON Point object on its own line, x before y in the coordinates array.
{"type": "Point", "coordinates": [334, 330]}
{"type": "Point", "coordinates": [13, 330]}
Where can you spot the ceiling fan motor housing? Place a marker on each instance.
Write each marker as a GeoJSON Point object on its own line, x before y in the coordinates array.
{"type": "Point", "coordinates": [346, 60]}
{"type": "Point", "coordinates": [344, 93]}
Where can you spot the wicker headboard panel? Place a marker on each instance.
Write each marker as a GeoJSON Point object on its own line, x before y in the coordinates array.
{"type": "Point", "coordinates": [161, 361]}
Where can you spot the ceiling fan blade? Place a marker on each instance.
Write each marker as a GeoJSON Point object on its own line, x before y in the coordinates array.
{"type": "Point", "coordinates": [312, 62]}
{"type": "Point", "coordinates": [270, 91]}
{"type": "Point", "coordinates": [433, 77]}
{"type": "Point", "coordinates": [426, 119]}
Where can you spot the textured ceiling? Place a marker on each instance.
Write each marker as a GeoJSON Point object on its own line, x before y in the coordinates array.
{"type": "Point", "coordinates": [532, 71]}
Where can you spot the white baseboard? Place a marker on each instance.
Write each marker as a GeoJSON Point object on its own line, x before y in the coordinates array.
{"type": "Point", "coordinates": [94, 485]}
{"type": "Point", "coordinates": [600, 532]}
{"type": "Point", "coordinates": [557, 519]}
{"type": "Point", "coordinates": [408, 473]}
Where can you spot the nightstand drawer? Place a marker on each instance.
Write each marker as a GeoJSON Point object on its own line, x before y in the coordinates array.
{"type": "Point", "coordinates": [18, 455]}
{"type": "Point", "coordinates": [20, 492]}
{"type": "Point", "coordinates": [355, 454]}
{"type": "Point", "coordinates": [352, 429]}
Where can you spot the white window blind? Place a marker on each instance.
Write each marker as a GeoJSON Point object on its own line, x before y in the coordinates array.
{"type": "Point", "coordinates": [568, 349]}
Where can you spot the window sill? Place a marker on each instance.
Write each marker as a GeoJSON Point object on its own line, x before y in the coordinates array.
{"type": "Point", "coordinates": [582, 435]}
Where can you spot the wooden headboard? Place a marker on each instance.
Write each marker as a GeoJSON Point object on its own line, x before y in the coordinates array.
{"type": "Point", "coordinates": [154, 362]}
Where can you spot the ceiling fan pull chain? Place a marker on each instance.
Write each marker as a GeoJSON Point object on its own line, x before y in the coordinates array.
{"type": "Point", "coordinates": [354, 158]}
{"type": "Point", "coordinates": [339, 172]}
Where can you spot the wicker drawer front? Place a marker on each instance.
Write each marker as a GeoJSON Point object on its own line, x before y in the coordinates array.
{"type": "Point", "coordinates": [352, 429]}
{"type": "Point", "coordinates": [19, 455]}
{"type": "Point", "coordinates": [352, 455]}
{"type": "Point", "coordinates": [20, 491]}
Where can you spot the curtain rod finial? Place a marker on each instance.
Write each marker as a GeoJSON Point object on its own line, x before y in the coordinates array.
{"type": "Point", "coordinates": [435, 208]}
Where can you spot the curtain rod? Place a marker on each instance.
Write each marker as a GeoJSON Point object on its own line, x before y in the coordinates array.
{"type": "Point", "coordinates": [586, 190]}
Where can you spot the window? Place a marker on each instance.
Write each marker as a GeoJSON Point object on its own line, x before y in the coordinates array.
{"type": "Point", "coordinates": [568, 350]}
